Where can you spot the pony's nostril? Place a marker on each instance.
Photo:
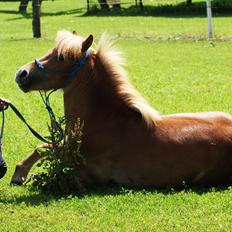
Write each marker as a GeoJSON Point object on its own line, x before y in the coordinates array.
{"type": "Point", "coordinates": [22, 76]}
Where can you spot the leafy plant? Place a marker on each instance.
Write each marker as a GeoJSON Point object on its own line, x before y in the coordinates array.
{"type": "Point", "coordinates": [57, 171]}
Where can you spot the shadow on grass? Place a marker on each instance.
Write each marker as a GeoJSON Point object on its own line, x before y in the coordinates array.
{"type": "Point", "coordinates": [116, 190]}
{"type": "Point", "coordinates": [180, 10]}
{"type": "Point", "coordinates": [23, 39]}
{"type": "Point", "coordinates": [26, 15]}
{"type": "Point", "coordinates": [196, 9]}
{"type": "Point", "coordinates": [9, 12]}
{"type": "Point", "coordinates": [35, 197]}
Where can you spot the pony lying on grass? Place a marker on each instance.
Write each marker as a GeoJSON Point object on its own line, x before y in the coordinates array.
{"type": "Point", "coordinates": [124, 139]}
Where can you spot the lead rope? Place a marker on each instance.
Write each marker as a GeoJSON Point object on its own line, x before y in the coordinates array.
{"type": "Point", "coordinates": [35, 133]}
{"type": "Point", "coordinates": [3, 121]}
{"type": "Point", "coordinates": [2, 127]}
{"type": "Point", "coordinates": [1, 133]}
{"type": "Point", "coordinates": [46, 101]}
{"type": "Point", "coordinates": [3, 164]}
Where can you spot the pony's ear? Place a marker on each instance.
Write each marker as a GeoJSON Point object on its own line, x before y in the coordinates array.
{"type": "Point", "coordinates": [87, 43]}
{"type": "Point", "coordinates": [74, 32]}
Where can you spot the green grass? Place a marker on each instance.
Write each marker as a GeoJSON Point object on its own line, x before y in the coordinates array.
{"type": "Point", "coordinates": [173, 75]}
{"type": "Point", "coordinates": [60, 14]}
{"type": "Point", "coordinates": [122, 211]}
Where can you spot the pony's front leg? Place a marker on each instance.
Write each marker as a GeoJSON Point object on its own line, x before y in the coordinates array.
{"type": "Point", "coordinates": [22, 168]}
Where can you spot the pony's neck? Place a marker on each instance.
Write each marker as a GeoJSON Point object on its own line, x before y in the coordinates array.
{"type": "Point", "coordinates": [99, 93]}
{"type": "Point", "coordinates": [122, 95]}
{"type": "Point", "coordinates": [93, 95]}
{"type": "Point", "coordinates": [77, 94]}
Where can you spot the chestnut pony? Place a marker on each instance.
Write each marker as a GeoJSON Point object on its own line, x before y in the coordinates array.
{"type": "Point", "coordinates": [124, 139]}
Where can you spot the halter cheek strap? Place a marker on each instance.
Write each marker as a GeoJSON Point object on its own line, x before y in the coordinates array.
{"type": "Point", "coordinates": [39, 65]}
{"type": "Point", "coordinates": [72, 72]}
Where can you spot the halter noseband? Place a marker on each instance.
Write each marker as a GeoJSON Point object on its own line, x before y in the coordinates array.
{"type": "Point", "coordinates": [72, 72]}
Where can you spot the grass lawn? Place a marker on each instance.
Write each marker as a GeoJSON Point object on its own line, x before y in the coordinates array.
{"type": "Point", "coordinates": [173, 75]}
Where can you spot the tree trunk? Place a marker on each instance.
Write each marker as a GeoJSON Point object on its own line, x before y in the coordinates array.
{"type": "Point", "coordinates": [103, 4]}
{"type": "Point", "coordinates": [23, 5]}
{"type": "Point", "coordinates": [36, 19]}
{"type": "Point", "coordinates": [189, 2]}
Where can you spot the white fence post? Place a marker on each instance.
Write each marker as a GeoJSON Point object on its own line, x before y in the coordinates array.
{"type": "Point", "coordinates": [209, 15]}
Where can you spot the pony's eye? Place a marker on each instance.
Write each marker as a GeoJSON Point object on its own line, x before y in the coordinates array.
{"type": "Point", "coordinates": [60, 57]}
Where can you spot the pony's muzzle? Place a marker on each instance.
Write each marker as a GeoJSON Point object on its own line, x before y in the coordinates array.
{"type": "Point", "coordinates": [22, 77]}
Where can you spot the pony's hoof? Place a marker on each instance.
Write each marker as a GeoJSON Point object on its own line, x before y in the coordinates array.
{"type": "Point", "coordinates": [19, 176]}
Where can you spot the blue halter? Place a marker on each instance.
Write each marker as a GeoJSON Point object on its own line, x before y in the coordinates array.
{"type": "Point", "coordinates": [72, 72]}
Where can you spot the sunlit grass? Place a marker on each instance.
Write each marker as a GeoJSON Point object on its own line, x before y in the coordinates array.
{"type": "Point", "coordinates": [174, 76]}
{"type": "Point", "coordinates": [71, 15]}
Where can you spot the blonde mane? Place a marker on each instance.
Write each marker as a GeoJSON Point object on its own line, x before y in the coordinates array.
{"type": "Point", "coordinates": [69, 45]}
{"type": "Point", "coordinates": [113, 61]}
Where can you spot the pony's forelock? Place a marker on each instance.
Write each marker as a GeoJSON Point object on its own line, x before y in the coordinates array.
{"type": "Point", "coordinates": [69, 45]}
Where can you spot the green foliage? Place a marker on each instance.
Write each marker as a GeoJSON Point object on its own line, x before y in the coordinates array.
{"type": "Point", "coordinates": [222, 3]}
{"type": "Point", "coordinates": [162, 7]}
{"type": "Point", "coordinates": [58, 173]}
